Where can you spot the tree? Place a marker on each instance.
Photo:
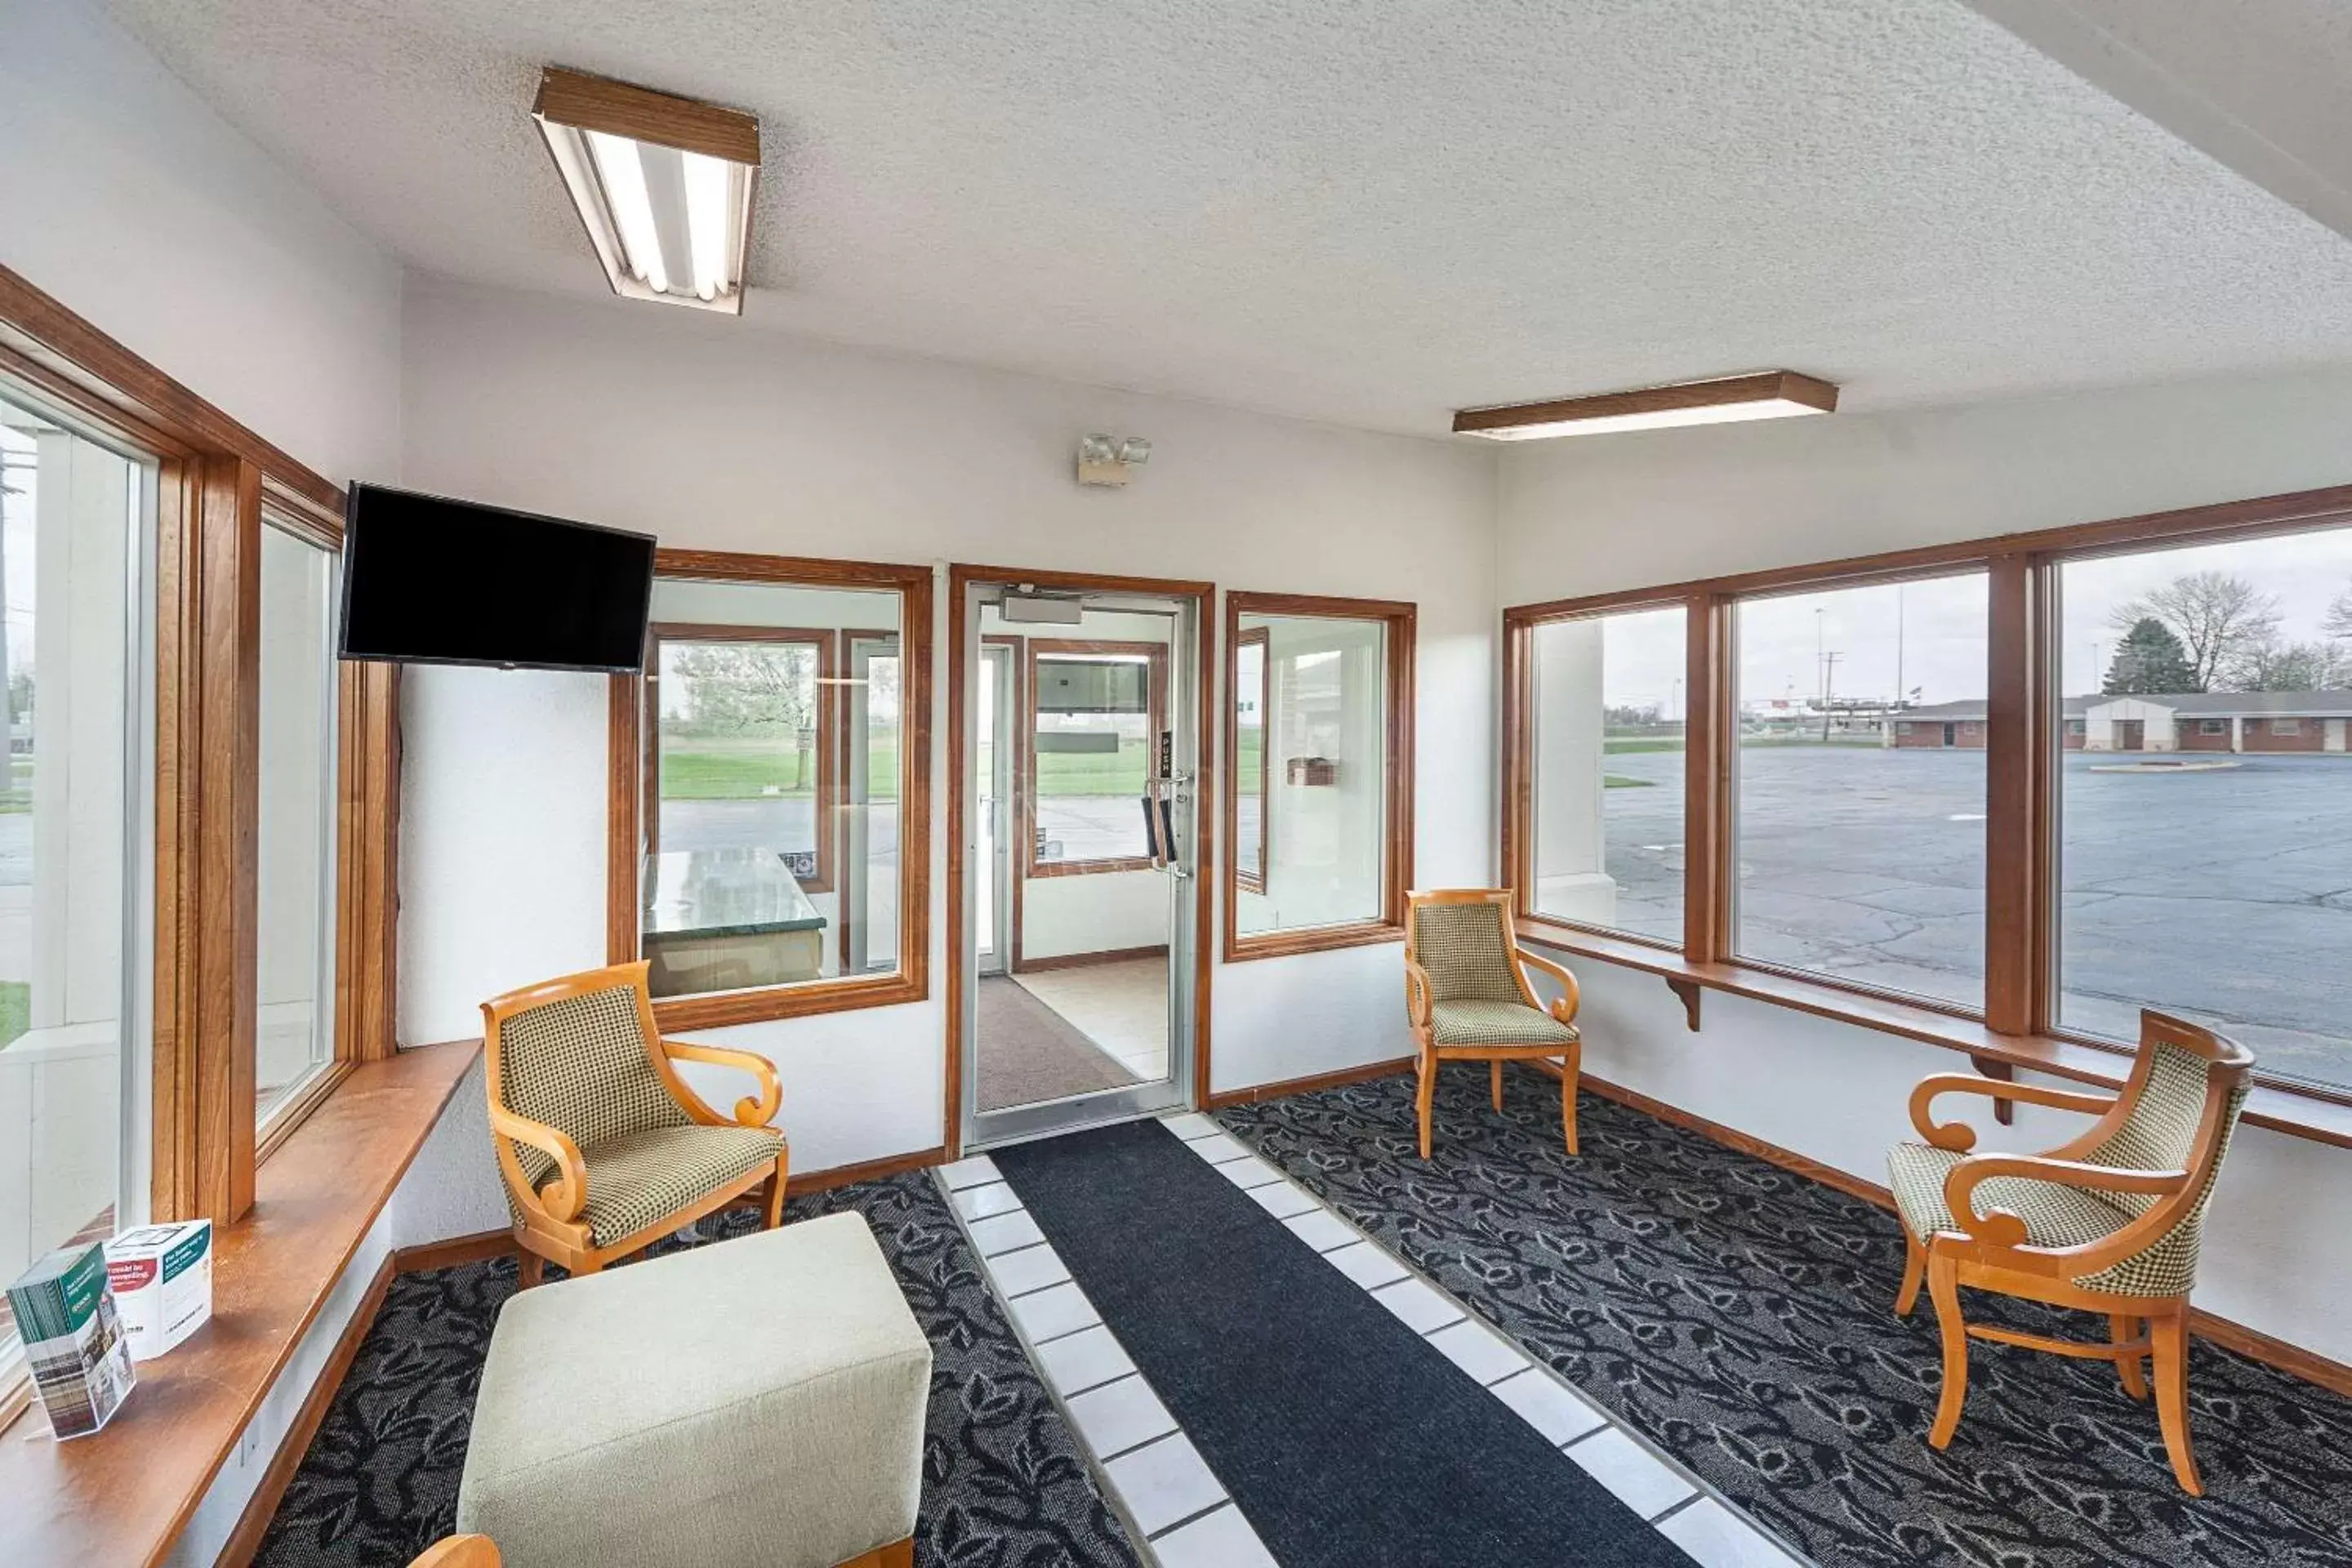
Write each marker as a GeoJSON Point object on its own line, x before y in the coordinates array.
{"type": "Point", "coordinates": [2275, 665]}
{"type": "Point", "coordinates": [2217, 616]}
{"type": "Point", "coordinates": [2148, 660]}
{"type": "Point", "coordinates": [740, 686]}
{"type": "Point", "coordinates": [2339, 620]}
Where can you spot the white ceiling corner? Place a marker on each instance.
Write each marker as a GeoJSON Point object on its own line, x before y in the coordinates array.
{"type": "Point", "coordinates": [1361, 211]}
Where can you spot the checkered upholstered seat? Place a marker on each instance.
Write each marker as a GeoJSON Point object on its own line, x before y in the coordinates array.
{"type": "Point", "coordinates": [1496, 1024]}
{"type": "Point", "coordinates": [2055, 1215]}
{"type": "Point", "coordinates": [582, 1065]}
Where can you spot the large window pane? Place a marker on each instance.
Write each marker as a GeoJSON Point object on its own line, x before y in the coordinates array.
{"type": "Point", "coordinates": [1313, 760]}
{"type": "Point", "coordinates": [1607, 772]}
{"type": "Point", "coordinates": [70, 536]}
{"type": "Point", "coordinates": [1095, 711]}
{"type": "Point", "coordinates": [1859, 795]}
{"type": "Point", "coordinates": [295, 1032]}
{"type": "Point", "coordinates": [772, 781]}
{"type": "Point", "coordinates": [2205, 808]}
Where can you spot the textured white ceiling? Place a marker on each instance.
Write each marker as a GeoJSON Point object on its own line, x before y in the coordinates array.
{"type": "Point", "coordinates": [1363, 211]}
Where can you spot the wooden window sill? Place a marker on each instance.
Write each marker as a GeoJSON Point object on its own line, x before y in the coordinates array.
{"type": "Point", "coordinates": [1241, 947]}
{"type": "Point", "coordinates": [123, 1494]}
{"type": "Point", "coordinates": [2279, 1110]}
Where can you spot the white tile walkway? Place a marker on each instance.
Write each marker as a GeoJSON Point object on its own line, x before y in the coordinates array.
{"type": "Point", "coordinates": [1159, 1481]}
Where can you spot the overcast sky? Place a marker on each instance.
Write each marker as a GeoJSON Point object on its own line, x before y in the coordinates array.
{"type": "Point", "coordinates": [1942, 649]}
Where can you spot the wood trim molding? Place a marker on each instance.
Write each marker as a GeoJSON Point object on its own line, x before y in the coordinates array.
{"type": "Point", "coordinates": [207, 829]}
{"type": "Point", "coordinates": [245, 1541]}
{"type": "Point", "coordinates": [588, 102]}
{"type": "Point", "coordinates": [1399, 620]}
{"type": "Point", "coordinates": [1087, 959]}
{"type": "Point", "coordinates": [1309, 1085]}
{"type": "Point", "coordinates": [627, 747]}
{"type": "Point", "coordinates": [367, 861]}
{"type": "Point", "coordinates": [2252, 1343]}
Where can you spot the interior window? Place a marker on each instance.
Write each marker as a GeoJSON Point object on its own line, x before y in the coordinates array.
{"type": "Point", "coordinates": [1313, 758]}
{"type": "Point", "coordinates": [770, 784]}
{"type": "Point", "coordinates": [1097, 710]}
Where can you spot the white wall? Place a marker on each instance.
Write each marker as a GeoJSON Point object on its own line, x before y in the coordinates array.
{"type": "Point", "coordinates": [717, 438]}
{"type": "Point", "coordinates": [1594, 516]}
{"type": "Point", "coordinates": [125, 196]}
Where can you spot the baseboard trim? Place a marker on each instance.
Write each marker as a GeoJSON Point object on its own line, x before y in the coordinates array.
{"type": "Point", "coordinates": [245, 1541]}
{"type": "Point", "coordinates": [869, 1171]}
{"type": "Point", "coordinates": [2252, 1343]}
{"type": "Point", "coordinates": [1086, 960]}
{"type": "Point", "coordinates": [1290, 1085]}
{"type": "Point", "coordinates": [455, 1251]}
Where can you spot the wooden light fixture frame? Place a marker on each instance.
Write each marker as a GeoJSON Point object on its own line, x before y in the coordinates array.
{"type": "Point", "coordinates": [1766, 387]}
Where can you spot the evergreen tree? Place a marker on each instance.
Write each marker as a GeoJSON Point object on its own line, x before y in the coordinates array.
{"type": "Point", "coordinates": [2149, 660]}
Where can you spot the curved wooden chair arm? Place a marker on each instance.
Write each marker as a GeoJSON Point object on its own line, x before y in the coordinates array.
{"type": "Point", "coordinates": [749, 1112]}
{"type": "Point", "coordinates": [1417, 994]}
{"type": "Point", "coordinates": [458, 1552]}
{"type": "Point", "coordinates": [1571, 995]}
{"type": "Point", "coordinates": [1958, 1136]}
{"type": "Point", "coordinates": [564, 1196]}
{"type": "Point", "coordinates": [2002, 1228]}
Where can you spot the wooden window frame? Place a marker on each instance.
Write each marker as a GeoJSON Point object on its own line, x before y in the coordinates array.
{"type": "Point", "coordinates": [831, 710]}
{"type": "Point", "coordinates": [1699, 784]}
{"type": "Point", "coordinates": [213, 479]}
{"type": "Point", "coordinates": [1400, 622]}
{"type": "Point", "coordinates": [1036, 650]}
{"type": "Point", "coordinates": [1256, 637]}
{"type": "Point", "coordinates": [628, 749]}
{"type": "Point", "coordinates": [2025, 737]}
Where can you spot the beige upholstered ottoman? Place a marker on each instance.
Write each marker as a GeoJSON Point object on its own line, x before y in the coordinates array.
{"type": "Point", "coordinates": [752, 1402]}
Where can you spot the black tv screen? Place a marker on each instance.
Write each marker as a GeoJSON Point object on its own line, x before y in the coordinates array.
{"type": "Point", "coordinates": [431, 581]}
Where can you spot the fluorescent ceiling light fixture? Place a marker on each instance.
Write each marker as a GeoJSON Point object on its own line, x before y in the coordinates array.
{"type": "Point", "coordinates": [662, 183]}
{"type": "Point", "coordinates": [1772, 395]}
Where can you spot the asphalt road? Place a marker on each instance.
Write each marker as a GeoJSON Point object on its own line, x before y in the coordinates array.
{"type": "Point", "coordinates": [2222, 896]}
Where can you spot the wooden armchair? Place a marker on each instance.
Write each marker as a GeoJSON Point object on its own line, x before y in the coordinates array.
{"type": "Point", "coordinates": [603, 1148]}
{"type": "Point", "coordinates": [1466, 993]}
{"type": "Point", "coordinates": [2109, 1222]}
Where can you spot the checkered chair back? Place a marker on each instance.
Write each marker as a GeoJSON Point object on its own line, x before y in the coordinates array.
{"type": "Point", "coordinates": [582, 1065]}
{"type": "Point", "coordinates": [2160, 1133]}
{"type": "Point", "coordinates": [1466, 949]}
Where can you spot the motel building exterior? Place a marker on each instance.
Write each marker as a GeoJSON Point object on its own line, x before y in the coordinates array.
{"type": "Point", "coordinates": [2173, 721]}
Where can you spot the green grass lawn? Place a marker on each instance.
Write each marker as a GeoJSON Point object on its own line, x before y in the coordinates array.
{"type": "Point", "coordinates": [1616, 748]}
{"type": "Point", "coordinates": [1619, 781]}
{"type": "Point", "coordinates": [16, 1011]}
{"type": "Point", "coordinates": [749, 766]}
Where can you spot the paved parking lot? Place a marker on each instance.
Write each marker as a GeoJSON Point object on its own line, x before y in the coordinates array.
{"type": "Point", "coordinates": [2225, 896]}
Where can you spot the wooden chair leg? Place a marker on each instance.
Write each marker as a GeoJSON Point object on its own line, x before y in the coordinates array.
{"type": "Point", "coordinates": [1494, 1077]}
{"type": "Point", "coordinates": [530, 1268]}
{"type": "Point", "coordinates": [774, 1215]}
{"type": "Point", "coordinates": [1944, 1290]}
{"type": "Point", "coordinates": [1915, 1270]}
{"type": "Point", "coordinates": [1569, 1066]}
{"type": "Point", "coordinates": [2123, 1328]}
{"type": "Point", "coordinates": [2168, 1342]}
{"type": "Point", "coordinates": [1424, 1094]}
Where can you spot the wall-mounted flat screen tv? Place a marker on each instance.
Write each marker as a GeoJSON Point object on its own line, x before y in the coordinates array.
{"type": "Point", "coordinates": [431, 581]}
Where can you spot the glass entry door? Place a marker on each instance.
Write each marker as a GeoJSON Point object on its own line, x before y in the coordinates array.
{"type": "Point", "coordinates": [1081, 850]}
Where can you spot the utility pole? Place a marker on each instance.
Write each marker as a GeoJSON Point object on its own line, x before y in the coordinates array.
{"type": "Point", "coordinates": [1829, 683]}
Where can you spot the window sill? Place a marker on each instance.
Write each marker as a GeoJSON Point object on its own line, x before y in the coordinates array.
{"type": "Point", "coordinates": [724, 1009]}
{"type": "Point", "coordinates": [1242, 949]}
{"type": "Point", "coordinates": [124, 1494]}
{"type": "Point", "coordinates": [2279, 1110]}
